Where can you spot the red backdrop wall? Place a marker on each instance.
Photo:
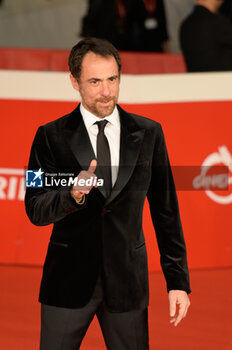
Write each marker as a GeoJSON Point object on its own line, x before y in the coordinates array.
{"type": "Point", "coordinates": [193, 131]}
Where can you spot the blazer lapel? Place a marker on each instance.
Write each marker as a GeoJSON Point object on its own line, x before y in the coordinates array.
{"type": "Point", "coordinates": [130, 143]}
{"type": "Point", "coordinates": [78, 139]}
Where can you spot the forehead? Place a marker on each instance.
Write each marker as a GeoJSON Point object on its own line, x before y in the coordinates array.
{"type": "Point", "coordinates": [98, 66]}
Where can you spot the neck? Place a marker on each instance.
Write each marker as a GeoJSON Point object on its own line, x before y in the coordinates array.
{"type": "Point", "coordinates": [209, 5]}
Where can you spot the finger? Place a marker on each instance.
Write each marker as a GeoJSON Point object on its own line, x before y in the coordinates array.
{"type": "Point", "coordinates": [92, 166]}
{"type": "Point", "coordinates": [82, 192]}
{"type": "Point", "coordinates": [186, 309]}
{"type": "Point", "coordinates": [178, 319]}
{"type": "Point", "coordinates": [173, 319]}
{"type": "Point", "coordinates": [180, 314]}
{"type": "Point", "coordinates": [172, 307]}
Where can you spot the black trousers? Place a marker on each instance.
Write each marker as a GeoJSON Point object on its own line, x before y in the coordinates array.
{"type": "Point", "coordinates": [64, 329]}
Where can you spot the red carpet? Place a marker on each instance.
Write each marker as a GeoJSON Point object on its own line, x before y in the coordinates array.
{"type": "Point", "coordinates": [208, 324]}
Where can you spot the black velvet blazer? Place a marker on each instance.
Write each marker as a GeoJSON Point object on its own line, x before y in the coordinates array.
{"type": "Point", "coordinates": [106, 235]}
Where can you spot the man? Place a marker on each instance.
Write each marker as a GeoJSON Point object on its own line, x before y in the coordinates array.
{"type": "Point", "coordinates": [96, 261]}
{"type": "Point", "coordinates": [206, 38]}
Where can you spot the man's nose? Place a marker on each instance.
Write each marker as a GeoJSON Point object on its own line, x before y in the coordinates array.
{"type": "Point", "coordinates": [105, 90]}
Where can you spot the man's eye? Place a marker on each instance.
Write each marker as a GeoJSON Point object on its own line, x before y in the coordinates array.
{"type": "Point", "coordinates": [113, 78]}
{"type": "Point", "coordinates": [94, 82]}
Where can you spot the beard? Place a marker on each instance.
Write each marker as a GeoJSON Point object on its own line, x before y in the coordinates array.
{"type": "Point", "coordinates": [98, 109]}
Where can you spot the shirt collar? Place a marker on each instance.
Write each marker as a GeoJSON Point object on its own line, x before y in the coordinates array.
{"type": "Point", "coordinates": [89, 118]}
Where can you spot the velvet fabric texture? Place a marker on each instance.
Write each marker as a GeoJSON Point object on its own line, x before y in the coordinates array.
{"type": "Point", "coordinates": [105, 235]}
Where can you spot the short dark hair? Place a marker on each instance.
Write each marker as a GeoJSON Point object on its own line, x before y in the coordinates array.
{"type": "Point", "coordinates": [100, 47]}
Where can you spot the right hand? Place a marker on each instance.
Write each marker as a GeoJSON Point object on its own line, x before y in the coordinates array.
{"type": "Point", "coordinates": [78, 191]}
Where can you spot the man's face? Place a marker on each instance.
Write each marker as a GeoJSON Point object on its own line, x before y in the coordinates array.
{"type": "Point", "coordinates": [98, 84]}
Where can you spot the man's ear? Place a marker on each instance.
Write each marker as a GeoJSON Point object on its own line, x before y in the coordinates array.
{"type": "Point", "coordinates": [74, 82]}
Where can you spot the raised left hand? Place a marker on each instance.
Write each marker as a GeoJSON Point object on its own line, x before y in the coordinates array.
{"type": "Point", "coordinates": [178, 305]}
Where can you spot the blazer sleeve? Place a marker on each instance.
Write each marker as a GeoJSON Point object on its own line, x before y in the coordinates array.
{"type": "Point", "coordinates": [45, 206]}
{"type": "Point", "coordinates": [166, 218]}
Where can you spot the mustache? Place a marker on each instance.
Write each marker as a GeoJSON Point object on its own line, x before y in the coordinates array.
{"type": "Point", "coordinates": [105, 100]}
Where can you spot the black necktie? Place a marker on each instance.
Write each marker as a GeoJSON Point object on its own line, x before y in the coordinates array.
{"type": "Point", "coordinates": [103, 156]}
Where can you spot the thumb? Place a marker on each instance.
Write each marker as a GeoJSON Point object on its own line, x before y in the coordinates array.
{"type": "Point", "coordinates": [172, 307]}
{"type": "Point", "coordinates": [92, 166]}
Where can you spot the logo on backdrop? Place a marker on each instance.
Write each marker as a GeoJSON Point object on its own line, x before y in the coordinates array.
{"type": "Point", "coordinates": [12, 184]}
{"type": "Point", "coordinates": [34, 178]}
{"type": "Point", "coordinates": [223, 180]}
